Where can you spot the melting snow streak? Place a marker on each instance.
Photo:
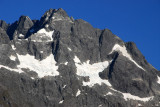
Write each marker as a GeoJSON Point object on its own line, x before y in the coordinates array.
{"type": "Point", "coordinates": [158, 81]}
{"type": "Point", "coordinates": [78, 93]}
{"type": "Point", "coordinates": [124, 53]}
{"type": "Point", "coordinates": [128, 96]}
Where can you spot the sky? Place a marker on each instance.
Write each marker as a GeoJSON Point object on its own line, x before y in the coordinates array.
{"type": "Point", "coordinates": [131, 20]}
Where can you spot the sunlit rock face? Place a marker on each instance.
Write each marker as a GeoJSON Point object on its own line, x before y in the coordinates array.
{"type": "Point", "coordinates": [59, 61]}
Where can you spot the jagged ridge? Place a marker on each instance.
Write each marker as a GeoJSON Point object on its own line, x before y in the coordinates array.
{"type": "Point", "coordinates": [65, 62]}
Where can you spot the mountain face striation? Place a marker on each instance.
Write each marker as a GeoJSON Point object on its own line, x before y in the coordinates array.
{"type": "Point", "coordinates": [58, 61]}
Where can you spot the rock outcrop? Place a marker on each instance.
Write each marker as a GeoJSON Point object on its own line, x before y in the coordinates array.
{"type": "Point", "coordinates": [58, 61]}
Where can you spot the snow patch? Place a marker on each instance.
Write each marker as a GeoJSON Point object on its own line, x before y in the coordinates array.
{"type": "Point", "coordinates": [42, 35]}
{"type": "Point", "coordinates": [76, 60]}
{"type": "Point", "coordinates": [158, 81]}
{"type": "Point", "coordinates": [122, 49]}
{"type": "Point", "coordinates": [21, 36]}
{"type": "Point", "coordinates": [78, 93]}
{"type": "Point", "coordinates": [46, 25]}
{"type": "Point", "coordinates": [64, 86]}
{"type": "Point", "coordinates": [100, 105]}
{"type": "Point", "coordinates": [91, 70]}
{"type": "Point", "coordinates": [109, 93]}
{"type": "Point", "coordinates": [43, 31]}
{"type": "Point", "coordinates": [32, 78]}
{"type": "Point", "coordinates": [128, 96]}
{"type": "Point", "coordinates": [46, 18]}
{"type": "Point", "coordinates": [53, 18]}
{"type": "Point", "coordinates": [139, 104]}
{"type": "Point", "coordinates": [69, 49]}
{"type": "Point", "coordinates": [13, 47]}
{"type": "Point", "coordinates": [46, 67]}
{"type": "Point", "coordinates": [61, 102]}
{"type": "Point", "coordinates": [11, 69]}
{"type": "Point", "coordinates": [65, 63]}
{"type": "Point", "coordinates": [13, 58]}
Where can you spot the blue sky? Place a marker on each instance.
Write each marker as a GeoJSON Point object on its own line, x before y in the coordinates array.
{"type": "Point", "coordinates": [131, 20]}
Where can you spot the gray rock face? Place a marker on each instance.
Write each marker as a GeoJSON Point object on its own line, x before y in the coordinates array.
{"type": "Point", "coordinates": [7, 56]}
{"type": "Point", "coordinates": [58, 61]}
{"type": "Point", "coordinates": [3, 25]}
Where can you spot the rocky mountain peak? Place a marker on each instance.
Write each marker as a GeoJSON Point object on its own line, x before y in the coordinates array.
{"type": "Point", "coordinates": [20, 28]}
{"type": "Point", "coordinates": [55, 12]}
{"type": "Point", "coordinates": [53, 15]}
{"type": "Point", "coordinates": [3, 25]}
{"type": "Point", "coordinates": [23, 25]}
{"type": "Point", "coordinates": [61, 62]}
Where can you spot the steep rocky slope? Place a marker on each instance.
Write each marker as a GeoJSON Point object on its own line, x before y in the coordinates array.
{"type": "Point", "coordinates": [61, 62]}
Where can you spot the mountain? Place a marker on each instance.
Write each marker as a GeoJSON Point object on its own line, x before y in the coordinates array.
{"type": "Point", "coordinates": [58, 61]}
